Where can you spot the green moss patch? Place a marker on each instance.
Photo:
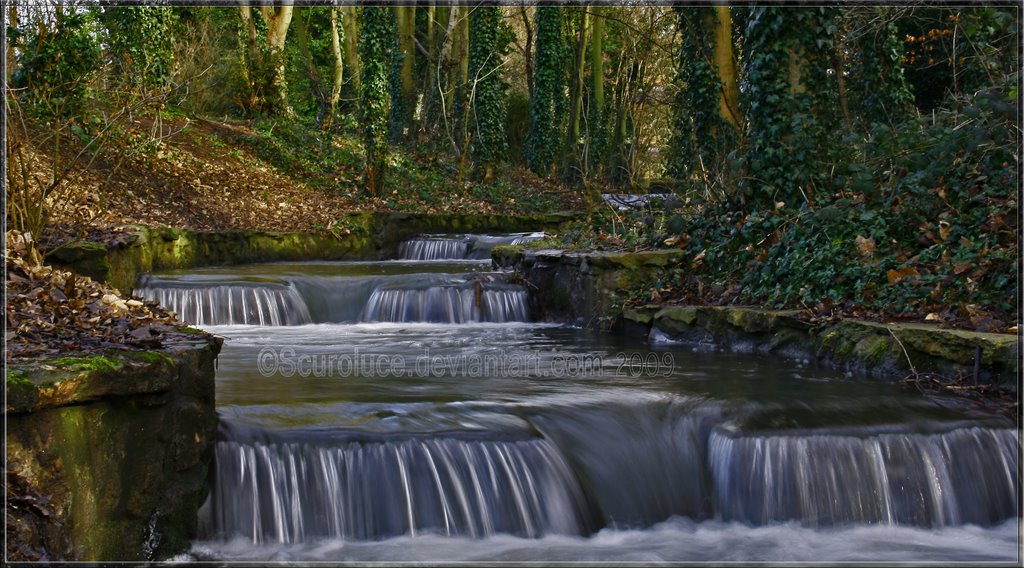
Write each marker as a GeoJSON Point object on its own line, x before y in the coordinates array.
{"type": "Point", "coordinates": [91, 363]}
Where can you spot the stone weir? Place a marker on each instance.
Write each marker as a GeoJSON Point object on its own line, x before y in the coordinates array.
{"type": "Point", "coordinates": [585, 288]}
{"type": "Point", "coordinates": [367, 235]}
{"type": "Point", "coordinates": [108, 455]}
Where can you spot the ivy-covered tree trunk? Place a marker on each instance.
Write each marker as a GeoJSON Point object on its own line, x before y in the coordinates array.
{"type": "Point", "coordinates": [486, 51]}
{"type": "Point", "coordinates": [791, 105]}
{"type": "Point", "coordinates": [403, 90]}
{"type": "Point", "coordinates": [375, 45]}
{"type": "Point", "coordinates": [547, 102]}
{"type": "Point", "coordinates": [706, 113]}
{"type": "Point", "coordinates": [140, 39]}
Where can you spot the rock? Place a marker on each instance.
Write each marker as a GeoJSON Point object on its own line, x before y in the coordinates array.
{"type": "Point", "coordinates": [113, 457]}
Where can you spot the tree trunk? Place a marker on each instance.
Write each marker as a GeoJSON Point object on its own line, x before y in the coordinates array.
{"type": "Point", "coordinates": [248, 55]}
{"type": "Point", "coordinates": [597, 57]}
{"type": "Point", "coordinates": [12, 23]}
{"type": "Point", "coordinates": [428, 119]}
{"type": "Point", "coordinates": [462, 82]}
{"type": "Point", "coordinates": [375, 45]}
{"type": "Point", "coordinates": [595, 131]}
{"type": "Point", "coordinates": [528, 49]}
{"type": "Point", "coordinates": [278, 20]}
{"type": "Point", "coordinates": [725, 61]}
{"type": "Point", "coordinates": [406, 20]}
{"type": "Point", "coordinates": [840, 69]}
{"type": "Point", "coordinates": [570, 162]}
{"type": "Point", "coordinates": [351, 35]}
{"type": "Point", "coordinates": [794, 63]}
{"type": "Point", "coordinates": [302, 35]}
{"type": "Point", "coordinates": [443, 76]}
{"type": "Point", "coordinates": [332, 106]}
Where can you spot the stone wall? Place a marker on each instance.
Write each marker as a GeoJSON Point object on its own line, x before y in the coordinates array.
{"type": "Point", "coordinates": [584, 288]}
{"type": "Point", "coordinates": [892, 350]}
{"type": "Point", "coordinates": [107, 456]}
{"type": "Point", "coordinates": [358, 236]}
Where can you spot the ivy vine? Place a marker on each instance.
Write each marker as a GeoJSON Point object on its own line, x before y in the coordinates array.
{"type": "Point", "coordinates": [790, 104]}
{"type": "Point", "coordinates": [548, 103]}
{"type": "Point", "coordinates": [884, 93]}
{"type": "Point", "coordinates": [375, 43]}
{"type": "Point", "coordinates": [701, 138]}
{"type": "Point", "coordinates": [487, 46]}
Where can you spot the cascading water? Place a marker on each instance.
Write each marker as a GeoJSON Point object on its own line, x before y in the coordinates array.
{"type": "Point", "coordinates": [231, 304]}
{"type": "Point", "coordinates": [447, 304]}
{"type": "Point", "coordinates": [459, 247]}
{"type": "Point", "coordinates": [963, 476]}
{"type": "Point", "coordinates": [444, 457]}
{"type": "Point", "coordinates": [294, 491]}
{"type": "Point", "coordinates": [298, 300]}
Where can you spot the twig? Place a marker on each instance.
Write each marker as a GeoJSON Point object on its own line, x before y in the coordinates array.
{"type": "Point", "coordinates": [905, 354]}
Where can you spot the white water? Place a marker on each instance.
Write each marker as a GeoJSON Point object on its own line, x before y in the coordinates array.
{"type": "Point", "coordinates": [674, 540]}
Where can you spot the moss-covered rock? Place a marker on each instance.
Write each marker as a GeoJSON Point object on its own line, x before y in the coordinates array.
{"type": "Point", "coordinates": [117, 447]}
{"type": "Point", "coordinates": [883, 350]}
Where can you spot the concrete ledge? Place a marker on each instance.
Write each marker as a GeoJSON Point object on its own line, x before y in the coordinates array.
{"type": "Point", "coordinates": [109, 454]}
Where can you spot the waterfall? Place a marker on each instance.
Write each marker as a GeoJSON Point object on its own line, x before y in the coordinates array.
{"type": "Point", "coordinates": [434, 248]}
{"type": "Point", "coordinates": [447, 304]}
{"type": "Point", "coordinates": [967, 475]}
{"type": "Point", "coordinates": [293, 491]}
{"type": "Point", "coordinates": [459, 247]}
{"type": "Point", "coordinates": [230, 304]}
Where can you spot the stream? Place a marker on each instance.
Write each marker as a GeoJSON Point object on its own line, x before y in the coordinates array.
{"type": "Point", "coordinates": [410, 410]}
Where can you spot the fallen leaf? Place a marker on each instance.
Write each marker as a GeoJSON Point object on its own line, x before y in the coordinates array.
{"type": "Point", "coordinates": [865, 246]}
{"type": "Point", "coordinates": [897, 276]}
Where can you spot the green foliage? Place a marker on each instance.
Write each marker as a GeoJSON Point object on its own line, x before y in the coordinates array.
{"type": "Point", "coordinates": [487, 48]}
{"type": "Point", "coordinates": [790, 104]}
{"type": "Point", "coordinates": [701, 138]}
{"type": "Point", "coordinates": [309, 101]}
{"type": "Point", "coordinates": [375, 44]}
{"type": "Point", "coordinates": [548, 104]}
{"type": "Point", "coordinates": [302, 151]}
{"type": "Point", "coordinates": [517, 122]}
{"type": "Point", "coordinates": [924, 221]}
{"type": "Point", "coordinates": [56, 64]}
{"type": "Point", "coordinates": [881, 92]}
{"type": "Point", "coordinates": [141, 43]}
